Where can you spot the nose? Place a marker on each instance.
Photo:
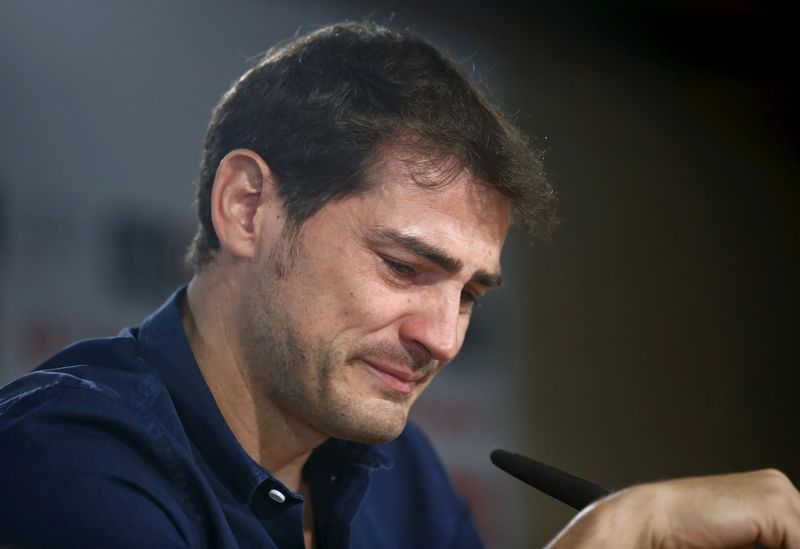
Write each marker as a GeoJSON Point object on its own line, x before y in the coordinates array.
{"type": "Point", "coordinates": [437, 325]}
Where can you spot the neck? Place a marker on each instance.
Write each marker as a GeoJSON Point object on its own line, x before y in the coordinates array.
{"type": "Point", "coordinates": [273, 438]}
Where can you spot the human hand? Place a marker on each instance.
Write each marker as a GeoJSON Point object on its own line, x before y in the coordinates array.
{"type": "Point", "coordinates": [746, 510]}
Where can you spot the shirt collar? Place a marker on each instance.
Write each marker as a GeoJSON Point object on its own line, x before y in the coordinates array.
{"type": "Point", "coordinates": [163, 344]}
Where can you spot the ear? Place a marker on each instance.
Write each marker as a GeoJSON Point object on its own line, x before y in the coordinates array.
{"type": "Point", "coordinates": [245, 208]}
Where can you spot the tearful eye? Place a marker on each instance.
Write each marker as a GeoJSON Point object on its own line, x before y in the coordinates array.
{"type": "Point", "coordinates": [400, 268]}
{"type": "Point", "coordinates": [469, 299]}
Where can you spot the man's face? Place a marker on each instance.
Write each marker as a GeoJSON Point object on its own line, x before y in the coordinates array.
{"type": "Point", "coordinates": [374, 303]}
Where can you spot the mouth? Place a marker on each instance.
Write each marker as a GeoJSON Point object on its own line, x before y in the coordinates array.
{"type": "Point", "coordinates": [399, 379]}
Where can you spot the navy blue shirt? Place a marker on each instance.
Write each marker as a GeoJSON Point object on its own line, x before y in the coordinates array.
{"type": "Point", "coordinates": [118, 442]}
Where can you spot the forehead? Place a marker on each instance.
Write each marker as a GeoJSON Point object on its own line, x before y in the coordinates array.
{"type": "Point", "coordinates": [411, 184]}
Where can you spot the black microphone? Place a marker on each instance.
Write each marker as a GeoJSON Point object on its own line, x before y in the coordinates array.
{"type": "Point", "coordinates": [574, 491]}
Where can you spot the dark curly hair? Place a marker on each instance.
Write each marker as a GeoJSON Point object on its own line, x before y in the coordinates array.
{"type": "Point", "coordinates": [317, 108]}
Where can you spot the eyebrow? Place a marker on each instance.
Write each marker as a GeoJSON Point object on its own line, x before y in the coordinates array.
{"type": "Point", "coordinates": [436, 255]}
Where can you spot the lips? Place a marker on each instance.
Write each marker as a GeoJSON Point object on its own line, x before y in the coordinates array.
{"type": "Point", "coordinates": [398, 378]}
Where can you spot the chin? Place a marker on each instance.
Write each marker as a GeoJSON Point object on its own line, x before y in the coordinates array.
{"type": "Point", "coordinates": [378, 437]}
{"type": "Point", "coordinates": [375, 426]}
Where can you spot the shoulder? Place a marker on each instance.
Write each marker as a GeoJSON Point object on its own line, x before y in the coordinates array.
{"type": "Point", "coordinates": [92, 383]}
{"type": "Point", "coordinates": [79, 444]}
{"type": "Point", "coordinates": [104, 378]}
{"type": "Point", "coordinates": [106, 366]}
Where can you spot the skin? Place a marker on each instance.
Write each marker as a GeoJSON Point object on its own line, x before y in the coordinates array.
{"type": "Point", "coordinates": [745, 510]}
{"type": "Point", "coordinates": [340, 337]}
{"type": "Point", "coordinates": [339, 333]}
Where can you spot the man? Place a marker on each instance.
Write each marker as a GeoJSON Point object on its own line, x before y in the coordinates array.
{"type": "Point", "coordinates": [355, 194]}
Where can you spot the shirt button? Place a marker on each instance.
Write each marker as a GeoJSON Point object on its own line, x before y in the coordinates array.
{"type": "Point", "coordinates": [275, 495]}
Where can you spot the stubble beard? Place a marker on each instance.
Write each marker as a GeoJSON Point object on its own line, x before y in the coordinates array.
{"type": "Point", "coordinates": [298, 378]}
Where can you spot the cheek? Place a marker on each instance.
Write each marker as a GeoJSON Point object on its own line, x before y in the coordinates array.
{"type": "Point", "coordinates": [336, 294]}
{"type": "Point", "coordinates": [351, 277]}
{"type": "Point", "coordinates": [370, 304]}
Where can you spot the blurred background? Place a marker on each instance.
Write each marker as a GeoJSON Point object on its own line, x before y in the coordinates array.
{"type": "Point", "coordinates": [655, 335]}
